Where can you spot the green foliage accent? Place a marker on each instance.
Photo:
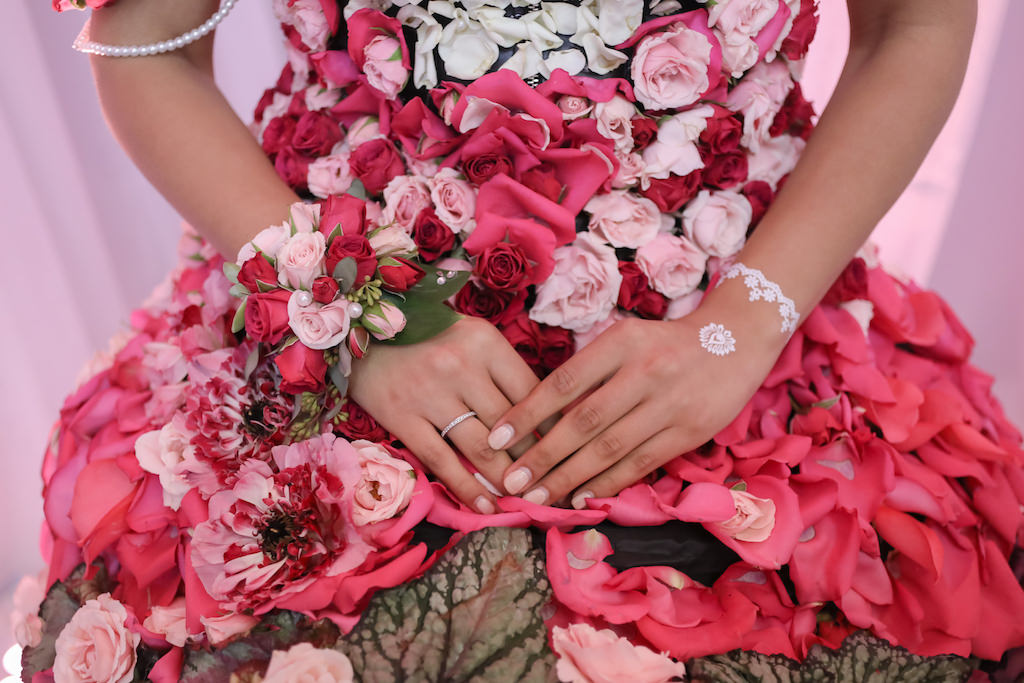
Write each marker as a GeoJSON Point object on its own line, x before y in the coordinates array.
{"type": "Point", "coordinates": [238, 322]}
{"type": "Point", "coordinates": [345, 273]}
{"type": "Point", "coordinates": [863, 658]}
{"type": "Point", "coordinates": [423, 306]}
{"type": "Point", "coordinates": [475, 616]}
{"type": "Point", "coordinates": [248, 656]}
{"type": "Point", "coordinates": [239, 290]}
{"type": "Point", "coordinates": [231, 270]}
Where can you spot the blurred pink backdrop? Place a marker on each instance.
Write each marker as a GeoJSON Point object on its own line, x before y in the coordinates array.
{"type": "Point", "coordinates": [92, 238]}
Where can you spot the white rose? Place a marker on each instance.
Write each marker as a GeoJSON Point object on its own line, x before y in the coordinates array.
{"type": "Point", "coordinates": [717, 222]}
{"type": "Point", "coordinates": [674, 151]}
{"type": "Point", "coordinates": [466, 49]}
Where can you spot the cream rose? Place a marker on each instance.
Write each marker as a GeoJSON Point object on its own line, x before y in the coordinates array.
{"type": "Point", "coordinates": [304, 663]}
{"type": "Point", "coordinates": [674, 265]}
{"type": "Point", "coordinates": [623, 219]}
{"type": "Point", "coordinates": [385, 486]}
{"type": "Point", "coordinates": [466, 48]}
{"type": "Point", "coordinates": [670, 68]}
{"type": "Point", "coordinates": [717, 222]}
{"type": "Point", "coordinates": [316, 326]}
{"type": "Point", "coordinates": [96, 645]}
{"type": "Point", "coordinates": [754, 518]}
{"type": "Point", "coordinates": [582, 288]}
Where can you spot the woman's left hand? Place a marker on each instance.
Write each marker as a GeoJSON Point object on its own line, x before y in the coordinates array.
{"type": "Point", "coordinates": [646, 391]}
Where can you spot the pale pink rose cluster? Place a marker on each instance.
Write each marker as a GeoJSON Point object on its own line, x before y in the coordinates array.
{"type": "Point", "coordinates": [96, 646]}
{"type": "Point", "coordinates": [304, 663]}
{"type": "Point", "coordinates": [318, 326]}
{"type": "Point", "coordinates": [759, 97]}
{"type": "Point", "coordinates": [582, 288]}
{"type": "Point", "coordinates": [587, 655]}
{"type": "Point", "coordinates": [308, 20]}
{"type": "Point", "coordinates": [736, 23]}
{"type": "Point", "coordinates": [445, 191]}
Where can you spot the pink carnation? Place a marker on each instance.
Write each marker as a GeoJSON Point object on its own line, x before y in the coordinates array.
{"type": "Point", "coordinates": [96, 645]}
{"type": "Point", "coordinates": [586, 655]}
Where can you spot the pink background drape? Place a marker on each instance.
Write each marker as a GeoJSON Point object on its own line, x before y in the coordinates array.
{"type": "Point", "coordinates": [91, 238]}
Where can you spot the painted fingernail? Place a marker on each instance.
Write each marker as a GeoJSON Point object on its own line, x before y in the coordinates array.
{"type": "Point", "coordinates": [484, 506]}
{"type": "Point", "coordinates": [486, 484]}
{"type": "Point", "coordinates": [517, 480]}
{"type": "Point", "coordinates": [579, 501]}
{"type": "Point", "coordinates": [500, 437]}
{"type": "Point", "coordinates": [538, 496]}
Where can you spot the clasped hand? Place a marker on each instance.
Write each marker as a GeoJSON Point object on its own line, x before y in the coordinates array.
{"type": "Point", "coordinates": [640, 394]}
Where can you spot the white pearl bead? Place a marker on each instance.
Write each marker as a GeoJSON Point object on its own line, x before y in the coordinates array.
{"type": "Point", "coordinates": [304, 298]}
{"type": "Point", "coordinates": [355, 309]}
{"type": "Point", "coordinates": [87, 46]}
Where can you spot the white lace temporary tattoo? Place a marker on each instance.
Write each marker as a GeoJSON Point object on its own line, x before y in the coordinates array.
{"type": "Point", "coordinates": [716, 339]}
{"type": "Point", "coordinates": [763, 289]}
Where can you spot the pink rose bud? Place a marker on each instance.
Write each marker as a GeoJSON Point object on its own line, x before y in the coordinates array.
{"type": "Point", "coordinates": [358, 342]}
{"type": "Point", "coordinates": [384, 320]}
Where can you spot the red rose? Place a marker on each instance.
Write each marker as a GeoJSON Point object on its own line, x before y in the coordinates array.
{"type": "Point", "coordinates": [760, 195]}
{"type": "Point", "coordinates": [315, 134]}
{"type": "Point", "coordinates": [671, 193]}
{"type": "Point", "coordinates": [804, 27]}
{"type": "Point", "coordinates": [257, 268]}
{"type": "Point", "coordinates": [723, 132]}
{"type": "Point", "coordinates": [851, 284]}
{"type": "Point", "coordinates": [725, 170]}
{"type": "Point", "coordinates": [285, 80]}
{"type": "Point", "coordinates": [645, 130]}
{"type": "Point", "coordinates": [356, 247]}
{"type": "Point", "coordinates": [431, 235]}
{"type": "Point", "coordinates": [401, 275]}
{"type": "Point", "coordinates": [325, 289]}
{"type": "Point", "coordinates": [635, 293]}
{"type": "Point", "coordinates": [543, 347]}
{"type": "Point", "coordinates": [265, 100]}
{"type": "Point", "coordinates": [556, 346]}
{"type": "Point", "coordinates": [293, 168]}
{"type": "Point", "coordinates": [343, 210]}
{"type": "Point", "coordinates": [523, 334]}
{"type": "Point", "coordinates": [495, 305]}
{"type": "Point", "coordinates": [278, 134]}
{"type": "Point", "coordinates": [302, 369]}
{"type": "Point", "coordinates": [795, 117]}
{"type": "Point", "coordinates": [541, 179]}
{"type": "Point", "coordinates": [375, 163]}
{"type": "Point", "coordinates": [360, 424]}
{"type": "Point", "coordinates": [502, 266]}
{"type": "Point", "coordinates": [483, 167]}
{"type": "Point", "coordinates": [266, 315]}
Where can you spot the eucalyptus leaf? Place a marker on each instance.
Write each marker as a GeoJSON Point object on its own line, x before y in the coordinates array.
{"type": "Point", "coordinates": [345, 273]}
{"type": "Point", "coordinates": [338, 378]}
{"type": "Point", "coordinates": [239, 290]}
{"type": "Point", "coordinates": [426, 315]}
{"type": "Point", "coordinates": [474, 616]}
{"type": "Point", "coordinates": [238, 322]}
{"type": "Point", "coordinates": [231, 270]}
{"type": "Point", "coordinates": [265, 287]}
{"type": "Point", "coordinates": [357, 190]}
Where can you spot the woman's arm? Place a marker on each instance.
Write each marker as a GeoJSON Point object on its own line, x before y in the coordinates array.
{"type": "Point", "coordinates": [656, 392]}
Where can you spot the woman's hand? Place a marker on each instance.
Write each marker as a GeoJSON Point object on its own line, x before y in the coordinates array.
{"type": "Point", "coordinates": [649, 393]}
{"type": "Point", "coordinates": [415, 391]}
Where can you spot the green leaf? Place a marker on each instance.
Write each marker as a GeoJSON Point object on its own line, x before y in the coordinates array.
{"type": "Point", "coordinates": [265, 287]}
{"type": "Point", "coordinates": [474, 616]}
{"type": "Point", "coordinates": [238, 322]}
{"type": "Point", "coordinates": [338, 378]}
{"type": "Point", "coordinates": [396, 56]}
{"type": "Point", "coordinates": [231, 271]}
{"type": "Point", "coordinates": [239, 290]}
{"type": "Point", "coordinates": [357, 189]}
{"type": "Point", "coordinates": [862, 658]}
{"type": "Point", "coordinates": [827, 403]}
{"type": "Point", "coordinates": [423, 305]}
{"type": "Point", "coordinates": [345, 273]}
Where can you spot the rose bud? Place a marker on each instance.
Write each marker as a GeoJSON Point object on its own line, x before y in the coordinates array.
{"type": "Point", "coordinates": [384, 320]}
{"type": "Point", "coordinates": [399, 274]}
{"type": "Point", "coordinates": [324, 289]}
{"type": "Point", "coordinates": [302, 369]}
{"type": "Point", "coordinates": [257, 269]}
{"type": "Point", "coordinates": [343, 210]}
{"type": "Point", "coordinates": [358, 342]}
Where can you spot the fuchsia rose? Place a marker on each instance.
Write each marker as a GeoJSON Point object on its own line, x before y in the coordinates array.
{"type": "Point", "coordinates": [623, 219]}
{"type": "Point", "coordinates": [674, 265]}
{"type": "Point", "coordinates": [256, 270]}
{"type": "Point", "coordinates": [674, 67]}
{"type": "Point", "coordinates": [586, 655]}
{"type": "Point", "coordinates": [302, 369]}
{"type": "Point", "coordinates": [454, 199]}
{"type": "Point", "coordinates": [318, 326]}
{"type": "Point", "coordinates": [404, 197]}
{"type": "Point", "coordinates": [345, 212]}
{"type": "Point", "coordinates": [303, 663]}
{"type": "Point", "coordinates": [385, 486]}
{"type": "Point", "coordinates": [399, 274]}
{"type": "Point", "coordinates": [301, 260]}
{"type": "Point", "coordinates": [717, 222]}
{"type": "Point", "coordinates": [96, 646]}
{"type": "Point", "coordinates": [583, 287]}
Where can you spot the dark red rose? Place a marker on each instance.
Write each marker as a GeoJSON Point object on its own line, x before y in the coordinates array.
{"type": "Point", "coordinates": [325, 289]}
{"type": "Point", "coordinates": [502, 266]}
{"type": "Point", "coordinates": [293, 168]}
{"type": "Point", "coordinates": [671, 193]}
{"type": "Point", "coordinates": [635, 293]}
{"type": "Point", "coordinates": [495, 305]}
{"type": "Point", "coordinates": [725, 170]}
{"type": "Point", "coordinates": [523, 335]}
{"type": "Point", "coordinates": [356, 247]}
{"type": "Point", "coordinates": [343, 210]}
{"type": "Point", "coordinates": [360, 424]}
{"type": "Point", "coordinates": [804, 27]}
{"type": "Point", "coordinates": [541, 179]}
{"type": "Point", "coordinates": [315, 134]}
{"type": "Point", "coordinates": [431, 235]}
{"type": "Point", "coordinates": [265, 100]}
{"type": "Point", "coordinates": [285, 80]}
{"type": "Point", "coordinates": [795, 117]}
{"type": "Point", "coordinates": [266, 315]}
{"type": "Point", "coordinates": [375, 163]}
{"type": "Point", "coordinates": [645, 130]}
{"type": "Point", "coordinates": [723, 132]}
{"type": "Point", "coordinates": [556, 346]}
{"type": "Point", "coordinates": [278, 134]}
{"type": "Point", "coordinates": [760, 195]}
{"type": "Point", "coordinates": [851, 284]}
{"type": "Point", "coordinates": [302, 369]}
{"type": "Point", "coordinates": [399, 274]}
{"type": "Point", "coordinates": [483, 167]}
{"type": "Point", "coordinates": [257, 268]}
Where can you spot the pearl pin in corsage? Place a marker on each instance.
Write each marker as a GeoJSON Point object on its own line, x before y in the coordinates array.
{"type": "Point", "coordinates": [716, 339]}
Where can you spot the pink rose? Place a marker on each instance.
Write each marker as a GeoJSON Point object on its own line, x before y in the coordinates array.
{"type": "Point", "coordinates": [304, 663]}
{"type": "Point", "coordinates": [384, 320]}
{"type": "Point", "coordinates": [754, 518]}
{"type": "Point", "coordinates": [454, 199]}
{"type": "Point", "coordinates": [674, 151]}
{"type": "Point", "coordinates": [623, 219]}
{"type": "Point", "coordinates": [385, 486]}
{"type": "Point", "coordinates": [574, 106]}
{"type": "Point", "coordinates": [301, 260]}
{"type": "Point", "coordinates": [307, 18]}
{"type": "Point", "coordinates": [268, 241]}
{"type": "Point", "coordinates": [225, 627]}
{"type": "Point", "coordinates": [318, 327]}
{"type": "Point", "coordinates": [586, 655]}
{"type": "Point", "coordinates": [96, 645]}
{"type": "Point", "coordinates": [615, 121]}
{"type": "Point", "coordinates": [362, 130]}
{"type": "Point", "coordinates": [774, 159]}
{"type": "Point", "coordinates": [383, 71]}
{"type": "Point", "coordinates": [163, 452]}
{"type": "Point", "coordinates": [391, 240]}
{"type": "Point", "coordinates": [759, 96]}
{"type": "Point", "coordinates": [717, 222]}
{"type": "Point", "coordinates": [674, 265]}
{"type": "Point", "coordinates": [404, 197]}
{"type": "Point", "coordinates": [329, 174]}
{"type": "Point", "coordinates": [28, 595]}
{"type": "Point", "coordinates": [631, 168]}
{"type": "Point", "coordinates": [670, 68]}
{"type": "Point", "coordinates": [169, 622]}
{"type": "Point", "coordinates": [582, 288]}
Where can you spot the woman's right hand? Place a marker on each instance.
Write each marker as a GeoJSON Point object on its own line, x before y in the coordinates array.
{"type": "Point", "coordinates": [414, 391]}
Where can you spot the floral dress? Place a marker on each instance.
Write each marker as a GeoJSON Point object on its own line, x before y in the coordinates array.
{"type": "Point", "coordinates": [216, 507]}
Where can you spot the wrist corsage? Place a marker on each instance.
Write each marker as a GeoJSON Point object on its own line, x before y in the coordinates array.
{"type": "Point", "coordinates": [318, 287]}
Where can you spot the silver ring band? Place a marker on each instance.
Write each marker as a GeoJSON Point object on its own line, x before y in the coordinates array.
{"type": "Point", "coordinates": [460, 419]}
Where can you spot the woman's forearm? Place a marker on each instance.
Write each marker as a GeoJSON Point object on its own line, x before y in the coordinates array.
{"type": "Point", "coordinates": [172, 120]}
{"type": "Point", "coordinates": [900, 81]}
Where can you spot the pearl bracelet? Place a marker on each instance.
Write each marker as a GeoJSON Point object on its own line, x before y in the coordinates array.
{"type": "Point", "coordinates": [83, 44]}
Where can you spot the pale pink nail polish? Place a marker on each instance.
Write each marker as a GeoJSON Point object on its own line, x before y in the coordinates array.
{"type": "Point", "coordinates": [579, 501]}
{"type": "Point", "coordinates": [484, 506]}
{"type": "Point", "coordinates": [500, 437]}
{"type": "Point", "coordinates": [517, 480]}
{"type": "Point", "coordinates": [538, 496]}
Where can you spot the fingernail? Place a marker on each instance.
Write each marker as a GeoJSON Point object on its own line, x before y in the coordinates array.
{"type": "Point", "coordinates": [486, 484]}
{"type": "Point", "coordinates": [484, 506]}
{"type": "Point", "coordinates": [579, 501]}
{"type": "Point", "coordinates": [517, 480]}
{"type": "Point", "coordinates": [500, 437]}
{"type": "Point", "coordinates": [538, 496]}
